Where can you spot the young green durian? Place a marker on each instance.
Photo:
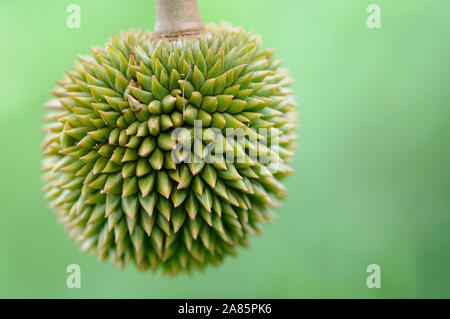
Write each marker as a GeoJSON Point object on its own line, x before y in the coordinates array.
{"type": "Point", "coordinates": [109, 142]}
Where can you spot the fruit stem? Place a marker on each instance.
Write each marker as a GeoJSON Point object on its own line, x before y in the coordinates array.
{"type": "Point", "coordinates": [177, 19]}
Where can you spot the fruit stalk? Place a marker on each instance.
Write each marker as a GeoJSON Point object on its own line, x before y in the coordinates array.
{"type": "Point", "coordinates": [178, 19]}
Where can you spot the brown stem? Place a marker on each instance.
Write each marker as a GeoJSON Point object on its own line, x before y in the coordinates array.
{"type": "Point", "coordinates": [178, 19]}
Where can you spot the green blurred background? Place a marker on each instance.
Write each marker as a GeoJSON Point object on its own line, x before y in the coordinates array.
{"type": "Point", "coordinates": [373, 159]}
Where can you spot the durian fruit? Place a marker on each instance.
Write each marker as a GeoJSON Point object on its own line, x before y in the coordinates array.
{"type": "Point", "coordinates": [109, 167]}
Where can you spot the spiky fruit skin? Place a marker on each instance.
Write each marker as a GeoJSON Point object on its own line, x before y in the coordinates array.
{"type": "Point", "coordinates": [108, 165]}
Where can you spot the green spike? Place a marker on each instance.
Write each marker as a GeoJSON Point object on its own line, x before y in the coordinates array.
{"type": "Point", "coordinates": [164, 207]}
{"type": "Point", "coordinates": [221, 189]}
{"type": "Point", "coordinates": [196, 99]}
{"type": "Point", "coordinates": [156, 160]}
{"type": "Point", "coordinates": [188, 240]}
{"type": "Point", "coordinates": [260, 123]}
{"type": "Point", "coordinates": [146, 183]}
{"type": "Point", "coordinates": [114, 136]}
{"type": "Point", "coordinates": [147, 146]}
{"type": "Point", "coordinates": [123, 137]}
{"type": "Point", "coordinates": [205, 236]}
{"type": "Point", "coordinates": [168, 104]}
{"type": "Point", "coordinates": [178, 196]}
{"type": "Point", "coordinates": [204, 117]}
{"type": "Point", "coordinates": [143, 96]}
{"type": "Point", "coordinates": [190, 114]}
{"type": "Point", "coordinates": [207, 216]}
{"type": "Point", "coordinates": [234, 90]}
{"type": "Point", "coordinates": [169, 163]}
{"type": "Point", "coordinates": [209, 175]}
{"type": "Point", "coordinates": [208, 87]}
{"type": "Point", "coordinates": [132, 129]}
{"type": "Point", "coordinates": [130, 155]}
{"type": "Point", "coordinates": [114, 218]}
{"type": "Point", "coordinates": [191, 205]}
{"type": "Point", "coordinates": [128, 169]}
{"type": "Point", "coordinates": [155, 107]}
{"type": "Point", "coordinates": [194, 227]}
{"type": "Point", "coordinates": [138, 238]}
{"type": "Point", "coordinates": [218, 121]}
{"type": "Point", "coordinates": [217, 224]}
{"type": "Point", "coordinates": [113, 184]}
{"type": "Point", "coordinates": [166, 142]}
{"type": "Point", "coordinates": [90, 157]}
{"type": "Point", "coordinates": [112, 202]}
{"type": "Point", "coordinates": [177, 119]}
{"type": "Point", "coordinates": [186, 88]}
{"type": "Point", "coordinates": [238, 184]}
{"type": "Point", "coordinates": [144, 81]}
{"type": "Point", "coordinates": [147, 222]}
{"type": "Point", "coordinates": [129, 186]}
{"type": "Point", "coordinates": [166, 122]}
{"type": "Point", "coordinates": [154, 125]}
{"type": "Point", "coordinates": [120, 230]}
{"type": "Point", "coordinates": [142, 167]}
{"type": "Point", "coordinates": [185, 177]}
{"type": "Point", "coordinates": [99, 165]}
{"type": "Point", "coordinates": [220, 84]}
{"type": "Point", "coordinates": [236, 106]}
{"type": "Point", "coordinates": [215, 70]}
{"type": "Point", "coordinates": [77, 133]}
{"type": "Point", "coordinates": [142, 130]}
{"type": "Point", "coordinates": [121, 83]}
{"type": "Point", "coordinates": [210, 104]}
{"type": "Point", "coordinates": [106, 150]}
{"type": "Point", "coordinates": [173, 79]}
{"type": "Point", "coordinates": [99, 182]}
{"type": "Point", "coordinates": [178, 218]}
{"type": "Point", "coordinates": [148, 202]}
{"type": "Point", "coordinates": [158, 91]}
{"type": "Point", "coordinates": [110, 118]}
{"type": "Point", "coordinates": [131, 224]}
{"type": "Point", "coordinates": [163, 224]}
{"type": "Point", "coordinates": [163, 184]}
{"type": "Point", "coordinates": [198, 185]}
{"type": "Point", "coordinates": [133, 142]}
{"type": "Point", "coordinates": [197, 78]}
{"type": "Point", "coordinates": [201, 61]}
{"type": "Point", "coordinates": [130, 206]}
{"type": "Point", "coordinates": [205, 199]}
{"type": "Point", "coordinates": [231, 121]}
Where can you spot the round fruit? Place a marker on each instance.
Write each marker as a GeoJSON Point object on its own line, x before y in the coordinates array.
{"type": "Point", "coordinates": [116, 174]}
